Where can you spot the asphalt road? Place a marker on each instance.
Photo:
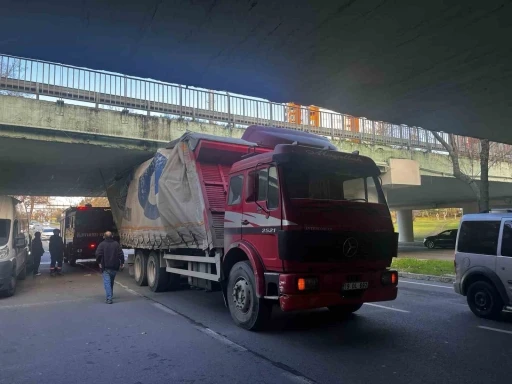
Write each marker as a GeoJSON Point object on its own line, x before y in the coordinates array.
{"type": "Point", "coordinates": [59, 330]}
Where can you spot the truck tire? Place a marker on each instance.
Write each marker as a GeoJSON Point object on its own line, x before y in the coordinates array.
{"type": "Point", "coordinates": [344, 310]}
{"type": "Point", "coordinates": [141, 271]}
{"type": "Point", "coordinates": [484, 300]}
{"type": "Point", "coordinates": [72, 261]}
{"type": "Point", "coordinates": [158, 278]}
{"type": "Point", "coordinates": [247, 310]}
{"type": "Point", "coordinates": [23, 274]}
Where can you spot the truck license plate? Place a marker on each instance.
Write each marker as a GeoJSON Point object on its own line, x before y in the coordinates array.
{"type": "Point", "coordinates": [354, 286]}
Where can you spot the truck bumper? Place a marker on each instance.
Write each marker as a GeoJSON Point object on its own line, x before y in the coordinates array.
{"type": "Point", "coordinates": [330, 291]}
{"type": "Point", "coordinates": [5, 274]}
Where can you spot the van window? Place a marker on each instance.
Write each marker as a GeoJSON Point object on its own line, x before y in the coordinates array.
{"type": "Point", "coordinates": [5, 229]}
{"type": "Point", "coordinates": [235, 190]}
{"type": "Point", "coordinates": [506, 242]}
{"type": "Point", "coordinates": [479, 237]}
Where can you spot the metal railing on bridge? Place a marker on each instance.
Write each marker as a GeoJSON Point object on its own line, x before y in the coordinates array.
{"type": "Point", "coordinates": [25, 76]}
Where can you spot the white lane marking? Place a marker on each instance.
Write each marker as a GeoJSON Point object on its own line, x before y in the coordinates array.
{"type": "Point", "coordinates": [128, 289]}
{"type": "Point", "coordinates": [165, 309]}
{"type": "Point", "coordinates": [495, 329]}
{"type": "Point", "coordinates": [222, 339]}
{"type": "Point", "coordinates": [384, 307]}
{"type": "Point", "coordinates": [430, 285]}
{"type": "Point", "coordinates": [297, 378]}
{"type": "Point", "coordinates": [14, 306]}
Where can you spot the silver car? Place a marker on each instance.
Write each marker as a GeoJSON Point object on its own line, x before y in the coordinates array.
{"type": "Point", "coordinates": [46, 233]}
{"type": "Point", "coordinates": [483, 263]}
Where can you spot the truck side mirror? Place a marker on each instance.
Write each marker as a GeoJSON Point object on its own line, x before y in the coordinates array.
{"type": "Point", "coordinates": [20, 241]}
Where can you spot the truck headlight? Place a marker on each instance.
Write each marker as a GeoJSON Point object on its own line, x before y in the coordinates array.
{"type": "Point", "coordinates": [4, 253]}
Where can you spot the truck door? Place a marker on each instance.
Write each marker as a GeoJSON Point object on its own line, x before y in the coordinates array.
{"type": "Point", "coordinates": [261, 219]}
{"type": "Point", "coordinates": [504, 259]}
{"type": "Point", "coordinates": [233, 212]}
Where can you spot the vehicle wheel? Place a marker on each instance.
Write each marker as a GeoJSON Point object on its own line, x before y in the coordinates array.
{"type": "Point", "coordinates": [430, 244]}
{"type": "Point", "coordinates": [23, 274]}
{"type": "Point", "coordinates": [72, 262]}
{"type": "Point", "coordinates": [247, 310]}
{"type": "Point", "coordinates": [484, 301]}
{"type": "Point", "coordinates": [158, 278]}
{"type": "Point", "coordinates": [140, 265]}
{"type": "Point", "coordinates": [12, 286]}
{"type": "Point", "coordinates": [344, 310]}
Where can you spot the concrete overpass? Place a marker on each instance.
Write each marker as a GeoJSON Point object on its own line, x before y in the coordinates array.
{"type": "Point", "coordinates": [438, 65]}
{"type": "Point", "coordinates": [54, 148]}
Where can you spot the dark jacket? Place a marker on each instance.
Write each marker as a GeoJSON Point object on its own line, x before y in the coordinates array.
{"type": "Point", "coordinates": [56, 245]}
{"type": "Point", "coordinates": [37, 247]}
{"type": "Point", "coordinates": [109, 254]}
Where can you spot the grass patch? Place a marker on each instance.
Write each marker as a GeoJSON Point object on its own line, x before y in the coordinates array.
{"type": "Point", "coordinates": [424, 267]}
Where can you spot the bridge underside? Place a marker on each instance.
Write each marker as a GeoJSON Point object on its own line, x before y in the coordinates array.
{"type": "Point", "coordinates": [446, 192]}
{"type": "Point", "coordinates": [439, 65]}
{"type": "Point", "coordinates": [56, 168]}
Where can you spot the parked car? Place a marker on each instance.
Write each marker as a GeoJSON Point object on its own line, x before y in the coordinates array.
{"type": "Point", "coordinates": [445, 239]}
{"type": "Point", "coordinates": [13, 247]}
{"type": "Point", "coordinates": [47, 233]}
{"type": "Point", "coordinates": [483, 263]}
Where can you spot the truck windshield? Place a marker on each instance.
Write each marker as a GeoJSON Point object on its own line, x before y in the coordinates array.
{"type": "Point", "coordinates": [94, 220]}
{"type": "Point", "coordinates": [321, 184]}
{"type": "Point", "coordinates": [5, 229]}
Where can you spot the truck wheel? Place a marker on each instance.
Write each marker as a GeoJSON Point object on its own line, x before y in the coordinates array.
{"type": "Point", "coordinates": [158, 278]}
{"type": "Point", "coordinates": [484, 301]}
{"type": "Point", "coordinates": [344, 310]}
{"type": "Point", "coordinates": [247, 310]}
{"type": "Point", "coordinates": [72, 262]}
{"type": "Point", "coordinates": [23, 274]}
{"type": "Point", "coordinates": [140, 265]}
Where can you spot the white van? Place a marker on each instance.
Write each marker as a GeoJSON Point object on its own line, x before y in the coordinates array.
{"type": "Point", "coordinates": [483, 262]}
{"type": "Point", "coordinates": [13, 247]}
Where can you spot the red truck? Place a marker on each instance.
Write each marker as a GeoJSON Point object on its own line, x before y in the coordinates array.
{"type": "Point", "coordinates": [279, 217]}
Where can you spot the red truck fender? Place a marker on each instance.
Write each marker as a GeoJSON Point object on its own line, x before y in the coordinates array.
{"type": "Point", "coordinates": [235, 255]}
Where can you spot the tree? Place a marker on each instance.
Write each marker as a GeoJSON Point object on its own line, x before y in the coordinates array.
{"type": "Point", "coordinates": [481, 190]}
{"type": "Point", "coordinates": [12, 68]}
{"type": "Point", "coordinates": [95, 201]}
{"type": "Point", "coordinates": [28, 204]}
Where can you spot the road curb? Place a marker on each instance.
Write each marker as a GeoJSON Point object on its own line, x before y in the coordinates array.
{"type": "Point", "coordinates": [417, 276]}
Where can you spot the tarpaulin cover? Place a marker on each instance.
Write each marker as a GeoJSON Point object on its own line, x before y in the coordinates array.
{"type": "Point", "coordinates": [160, 205]}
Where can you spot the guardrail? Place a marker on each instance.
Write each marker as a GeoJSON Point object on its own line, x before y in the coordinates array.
{"type": "Point", "coordinates": [26, 76]}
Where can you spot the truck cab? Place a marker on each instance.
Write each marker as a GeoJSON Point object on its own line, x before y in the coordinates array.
{"type": "Point", "coordinates": [315, 224]}
{"type": "Point", "coordinates": [13, 247]}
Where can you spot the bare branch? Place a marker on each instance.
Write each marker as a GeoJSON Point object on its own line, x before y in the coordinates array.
{"type": "Point", "coordinates": [454, 156]}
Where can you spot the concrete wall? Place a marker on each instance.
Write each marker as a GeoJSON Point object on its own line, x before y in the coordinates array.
{"type": "Point", "coordinates": [25, 112]}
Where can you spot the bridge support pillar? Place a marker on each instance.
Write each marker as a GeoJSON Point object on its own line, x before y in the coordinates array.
{"type": "Point", "coordinates": [405, 229]}
{"type": "Point", "coordinates": [470, 208]}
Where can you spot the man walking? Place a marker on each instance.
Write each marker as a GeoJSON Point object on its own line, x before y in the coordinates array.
{"type": "Point", "coordinates": [56, 253]}
{"type": "Point", "coordinates": [110, 258]}
{"type": "Point", "coordinates": [37, 251]}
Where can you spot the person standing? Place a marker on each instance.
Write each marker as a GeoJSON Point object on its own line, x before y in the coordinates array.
{"type": "Point", "coordinates": [37, 252]}
{"type": "Point", "coordinates": [110, 257]}
{"type": "Point", "coordinates": [56, 253]}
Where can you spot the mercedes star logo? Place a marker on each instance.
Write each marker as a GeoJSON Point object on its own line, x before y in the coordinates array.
{"type": "Point", "coordinates": [350, 247]}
